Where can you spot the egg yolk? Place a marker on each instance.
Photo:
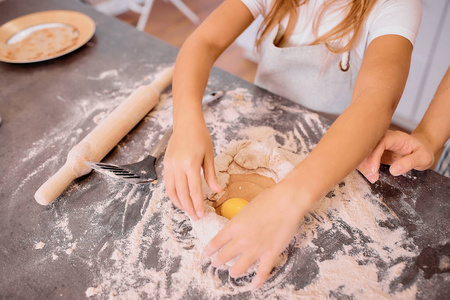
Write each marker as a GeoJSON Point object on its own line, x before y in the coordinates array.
{"type": "Point", "coordinates": [232, 206]}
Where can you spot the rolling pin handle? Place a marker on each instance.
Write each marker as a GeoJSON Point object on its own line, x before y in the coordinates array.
{"type": "Point", "coordinates": [55, 185]}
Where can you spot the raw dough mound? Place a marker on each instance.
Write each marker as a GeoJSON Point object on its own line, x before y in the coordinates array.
{"type": "Point", "coordinates": [242, 157]}
{"type": "Point", "coordinates": [250, 157]}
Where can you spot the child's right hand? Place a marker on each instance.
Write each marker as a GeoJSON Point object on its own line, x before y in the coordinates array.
{"type": "Point", "coordinates": [402, 151]}
{"type": "Point", "coordinates": [189, 150]}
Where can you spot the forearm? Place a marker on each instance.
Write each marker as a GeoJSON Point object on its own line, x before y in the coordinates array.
{"type": "Point", "coordinates": [348, 141]}
{"type": "Point", "coordinates": [199, 53]}
{"type": "Point", "coordinates": [358, 129]}
{"type": "Point", "coordinates": [191, 74]}
{"type": "Point", "coordinates": [435, 125]}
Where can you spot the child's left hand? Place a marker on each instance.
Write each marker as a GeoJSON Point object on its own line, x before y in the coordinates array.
{"type": "Point", "coordinates": [261, 230]}
{"type": "Point", "coordinates": [403, 152]}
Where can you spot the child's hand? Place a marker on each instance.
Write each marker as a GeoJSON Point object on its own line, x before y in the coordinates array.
{"type": "Point", "coordinates": [400, 150]}
{"type": "Point", "coordinates": [261, 231]}
{"type": "Point", "coordinates": [189, 150]}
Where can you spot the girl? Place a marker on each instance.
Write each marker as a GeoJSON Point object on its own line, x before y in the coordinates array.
{"type": "Point", "coordinates": [310, 52]}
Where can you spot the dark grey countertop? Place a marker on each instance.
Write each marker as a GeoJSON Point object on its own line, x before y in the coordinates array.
{"type": "Point", "coordinates": [116, 241]}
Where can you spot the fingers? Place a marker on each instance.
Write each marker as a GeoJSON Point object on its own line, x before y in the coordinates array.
{"type": "Point", "coordinates": [243, 263]}
{"type": "Point", "coordinates": [182, 190]}
{"type": "Point", "coordinates": [389, 149]}
{"type": "Point", "coordinates": [195, 190]}
{"type": "Point", "coordinates": [370, 166]}
{"type": "Point", "coordinates": [184, 186]}
{"type": "Point", "coordinates": [221, 239]}
{"type": "Point", "coordinates": [400, 150]}
{"type": "Point", "coordinates": [185, 192]}
{"type": "Point", "coordinates": [369, 170]}
{"type": "Point", "coordinates": [265, 266]}
{"type": "Point", "coordinates": [227, 253]}
{"type": "Point", "coordinates": [401, 166]}
{"type": "Point", "coordinates": [185, 189]}
{"type": "Point", "coordinates": [210, 173]}
{"type": "Point", "coordinates": [182, 172]}
{"type": "Point", "coordinates": [419, 160]}
{"type": "Point", "coordinates": [170, 189]}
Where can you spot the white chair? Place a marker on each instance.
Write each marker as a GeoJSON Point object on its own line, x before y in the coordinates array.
{"type": "Point", "coordinates": [144, 7]}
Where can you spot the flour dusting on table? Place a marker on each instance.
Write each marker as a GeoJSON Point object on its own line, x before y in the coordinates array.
{"type": "Point", "coordinates": [142, 247]}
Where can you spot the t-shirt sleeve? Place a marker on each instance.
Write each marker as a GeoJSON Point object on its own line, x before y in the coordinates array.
{"type": "Point", "coordinates": [256, 7]}
{"type": "Point", "coordinates": [399, 17]}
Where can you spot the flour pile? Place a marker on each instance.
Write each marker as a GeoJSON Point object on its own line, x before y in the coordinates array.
{"type": "Point", "coordinates": [242, 157]}
{"type": "Point", "coordinates": [350, 216]}
{"type": "Point", "coordinates": [139, 246]}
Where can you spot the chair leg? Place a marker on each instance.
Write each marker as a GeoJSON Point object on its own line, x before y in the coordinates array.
{"type": "Point", "coordinates": [186, 11]}
{"type": "Point", "coordinates": [134, 6]}
{"type": "Point", "coordinates": [144, 15]}
{"type": "Point", "coordinates": [147, 7]}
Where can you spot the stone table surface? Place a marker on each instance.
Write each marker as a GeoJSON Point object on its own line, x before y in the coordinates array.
{"type": "Point", "coordinates": [106, 239]}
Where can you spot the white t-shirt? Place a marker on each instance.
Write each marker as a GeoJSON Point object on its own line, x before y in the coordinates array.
{"type": "Point", "coordinates": [399, 17]}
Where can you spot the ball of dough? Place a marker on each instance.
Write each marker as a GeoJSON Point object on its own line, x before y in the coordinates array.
{"type": "Point", "coordinates": [232, 206]}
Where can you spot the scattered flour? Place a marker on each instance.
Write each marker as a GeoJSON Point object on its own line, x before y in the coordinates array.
{"type": "Point", "coordinates": [159, 254]}
{"type": "Point", "coordinates": [183, 269]}
{"type": "Point", "coordinates": [72, 248]}
{"type": "Point", "coordinates": [92, 291]}
{"type": "Point", "coordinates": [39, 246]}
{"type": "Point", "coordinates": [105, 74]}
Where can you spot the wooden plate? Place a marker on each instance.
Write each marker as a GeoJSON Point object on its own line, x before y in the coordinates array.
{"type": "Point", "coordinates": [19, 28]}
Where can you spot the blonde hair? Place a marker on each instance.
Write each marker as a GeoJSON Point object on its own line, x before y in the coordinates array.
{"type": "Point", "coordinates": [353, 22]}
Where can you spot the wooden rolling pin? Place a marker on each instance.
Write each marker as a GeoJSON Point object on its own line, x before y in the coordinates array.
{"type": "Point", "coordinates": [103, 138]}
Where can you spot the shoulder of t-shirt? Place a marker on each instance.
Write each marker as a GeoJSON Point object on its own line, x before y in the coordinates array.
{"type": "Point", "coordinates": [399, 17]}
{"type": "Point", "coordinates": [258, 7]}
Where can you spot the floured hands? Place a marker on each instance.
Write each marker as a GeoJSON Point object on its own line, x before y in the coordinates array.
{"type": "Point", "coordinates": [189, 150]}
{"type": "Point", "coordinates": [400, 150]}
{"type": "Point", "coordinates": [260, 232]}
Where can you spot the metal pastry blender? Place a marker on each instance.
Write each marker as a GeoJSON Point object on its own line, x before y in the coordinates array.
{"type": "Point", "coordinates": [143, 171]}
